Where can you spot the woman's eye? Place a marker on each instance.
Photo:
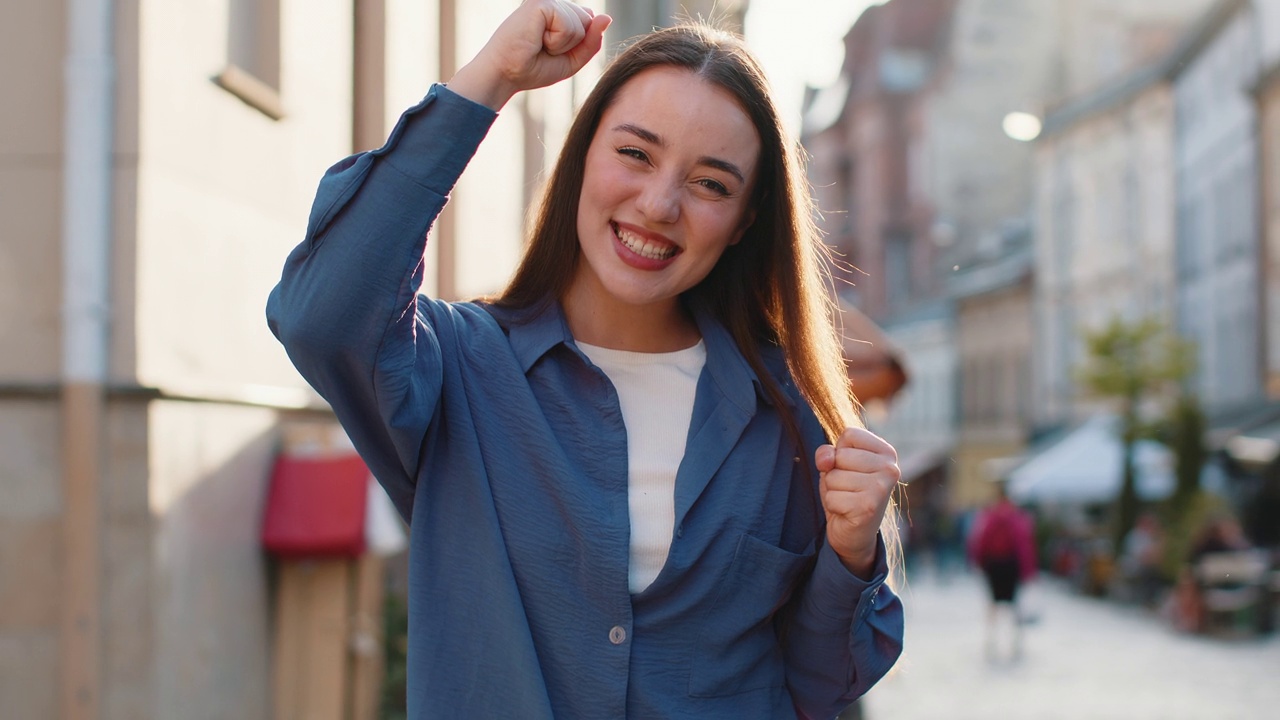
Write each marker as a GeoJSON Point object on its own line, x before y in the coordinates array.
{"type": "Point", "coordinates": [634, 152]}
{"type": "Point", "coordinates": [714, 186]}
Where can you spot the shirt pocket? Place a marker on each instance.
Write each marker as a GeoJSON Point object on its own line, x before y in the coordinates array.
{"type": "Point", "coordinates": [737, 650]}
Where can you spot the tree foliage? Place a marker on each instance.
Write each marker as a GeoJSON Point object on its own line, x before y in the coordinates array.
{"type": "Point", "coordinates": [1133, 363]}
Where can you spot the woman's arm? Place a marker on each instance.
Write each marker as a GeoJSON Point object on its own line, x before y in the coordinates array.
{"type": "Point", "coordinates": [346, 303]}
{"type": "Point", "coordinates": [346, 308]}
{"type": "Point", "coordinates": [844, 629]}
{"type": "Point", "coordinates": [842, 634]}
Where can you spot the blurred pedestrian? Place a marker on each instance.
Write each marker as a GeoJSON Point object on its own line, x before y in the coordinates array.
{"type": "Point", "coordinates": [636, 482]}
{"type": "Point", "coordinates": [1223, 533]}
{"type": "Point", "coordinates": [1141, 560]}
{"type": "Point", "coordinates": [1002, 545]}
{"type": "Point", "coordinates": [1186, 609]}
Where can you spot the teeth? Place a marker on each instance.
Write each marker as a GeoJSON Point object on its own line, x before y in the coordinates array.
{"type": "Point", "coordinates": [642, 247]}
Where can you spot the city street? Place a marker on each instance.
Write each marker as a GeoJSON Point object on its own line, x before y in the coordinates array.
{"type": "Point", "coordinates": [1083, 659]}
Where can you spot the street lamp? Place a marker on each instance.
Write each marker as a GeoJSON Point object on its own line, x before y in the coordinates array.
{"type": "Point", "coordinates": [1021, 126]}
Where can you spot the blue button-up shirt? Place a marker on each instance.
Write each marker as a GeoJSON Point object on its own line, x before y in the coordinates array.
{"type": "Point", "coordinates": [504, 448]}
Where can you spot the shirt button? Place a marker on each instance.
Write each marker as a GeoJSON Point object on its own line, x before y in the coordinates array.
{"type": "Point", "coordinates": [617, 635]}
{"type": "Point", "coordinates": [680, 531]}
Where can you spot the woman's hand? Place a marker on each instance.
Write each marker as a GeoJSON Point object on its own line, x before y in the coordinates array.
{"type": "Point", "coordinates": [540, 44]}
{"type": "Point", "coordinates": [858, 477]}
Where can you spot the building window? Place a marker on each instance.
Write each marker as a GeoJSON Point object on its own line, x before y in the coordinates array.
{"type": "Point", "coordinates": [897, 270]}
{"type": "Point", "coordinates": [253, 55]}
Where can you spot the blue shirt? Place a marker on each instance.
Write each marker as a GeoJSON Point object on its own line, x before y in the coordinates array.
{"type": "Point", "coordinates": [504, 448]}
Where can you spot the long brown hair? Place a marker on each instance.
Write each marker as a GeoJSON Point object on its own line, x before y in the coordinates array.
{"type": "Point", "coordinates": [773, 286]}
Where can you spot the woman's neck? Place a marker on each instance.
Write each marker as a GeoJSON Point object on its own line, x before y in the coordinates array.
{"type": "Point", "coordinates": [659, 327]}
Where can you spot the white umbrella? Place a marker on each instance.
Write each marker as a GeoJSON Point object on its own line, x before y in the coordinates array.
{"type": "Point", "coordinates": [1086, 467]}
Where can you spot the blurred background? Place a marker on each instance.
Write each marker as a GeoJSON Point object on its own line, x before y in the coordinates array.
{"type": "Point", "coordinates": [1057, 232]}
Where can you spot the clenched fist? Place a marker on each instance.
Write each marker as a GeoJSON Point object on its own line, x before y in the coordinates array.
{"type": "Point", "coordinates": [858, 475]}
{"type": "Point", "coordinates": [540, 44]}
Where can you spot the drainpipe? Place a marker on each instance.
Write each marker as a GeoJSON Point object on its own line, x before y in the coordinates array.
{"type": "Point", "coordinates": [86, 270]}
{"type": "Point", "coordinates": [446, 227]}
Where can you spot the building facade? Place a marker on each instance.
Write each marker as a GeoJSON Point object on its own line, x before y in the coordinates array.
{"type": "Point", "coordinates": [1106, 213]}
{"type": "Point", "coordinates": [1216, 166]}
{"type": "Point", "coordinates": [1104, 226]}
{"type": "Point", "coordinates": [994, 337]}
{"type": "Point", "coordinates": [1106, 39]}
{"type": "Point", "coordinates": [1267, 94]}
{"type": "Point", "coordinates": [1003, 58]}
{"type": "Point", "coordinates": [158, 170]}
{"type": "Point", "coordinates": [864, 135]}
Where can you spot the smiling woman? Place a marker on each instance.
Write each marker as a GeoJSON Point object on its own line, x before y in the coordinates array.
{"type": "Point", "coordinates": [636, 481]}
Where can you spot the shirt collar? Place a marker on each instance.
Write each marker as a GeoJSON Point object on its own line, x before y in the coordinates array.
{"type": "Point", "coordinates": [533, 331]}
{"type": "Point", "coordinates": [728, 368]}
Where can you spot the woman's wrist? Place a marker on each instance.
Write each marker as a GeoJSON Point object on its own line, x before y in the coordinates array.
{"type": "Point", "coordinates": [860, 561]}
{"type": "Point", "coordinates": [478, 83]}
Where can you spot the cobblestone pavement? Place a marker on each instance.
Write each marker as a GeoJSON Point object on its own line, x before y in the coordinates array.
{"type": "Point", "coordinates": [1083, 659]}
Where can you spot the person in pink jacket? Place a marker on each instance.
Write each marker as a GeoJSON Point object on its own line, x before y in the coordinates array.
{"type": "Point", "coordinates": [1002, 545]}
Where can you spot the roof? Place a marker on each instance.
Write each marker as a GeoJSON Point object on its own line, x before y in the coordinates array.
{"type": "Point", "coordinates": [1007, 271]}
{"type": "Point", "coordinates": [1121, 90]}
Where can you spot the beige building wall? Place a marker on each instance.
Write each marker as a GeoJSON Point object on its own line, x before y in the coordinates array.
{"type": "Point", "coordinates": [210, 193]}
{"type": "Point", "coordinates": [1269, 170]}
{"type": "Point", "coordinates": [30, 535]}
{"type": "Point", "coordinates": [30, 191]}
{"type": "Point", "coordinates": [1104, 235]}
{"type": "Point", "coordinates": [995, 342]}
{"type": "Point", "coordinates": [224, 190]}
{"type": "Point", "coordinates": [507, 172]}
{"type": "Point", "coordinates": [1105, 39]}
{"type": "Point", "coordinates": [30, 307]}
{"type": "Point", "coordinates": [1122, 250]}
{"type": "Point", "coordinates": [1003, 58]}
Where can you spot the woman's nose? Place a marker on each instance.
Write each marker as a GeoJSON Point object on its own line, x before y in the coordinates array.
{"type": "Point", "coordinates": [659, 200]}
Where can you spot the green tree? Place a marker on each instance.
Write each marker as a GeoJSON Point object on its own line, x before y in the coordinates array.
{"type": "Point", "coordinates": [1133, 363]}
{"type": "Point", "coordinates": [1186, 436]}
{"type": "Point", "coordinates": [1183, 431]}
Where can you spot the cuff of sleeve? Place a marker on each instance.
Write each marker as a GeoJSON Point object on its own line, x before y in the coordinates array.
{"type": "Point", "coordinates": [838, 593]}
{"type": "Point", "coordinates": [454, 122]}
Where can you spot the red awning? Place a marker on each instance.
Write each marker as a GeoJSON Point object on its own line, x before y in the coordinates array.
{"type": "Point", "coordinates": [316, 506]}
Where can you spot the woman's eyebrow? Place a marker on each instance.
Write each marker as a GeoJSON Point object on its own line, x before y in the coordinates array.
{"type": "Point", "coordinates": [646, 135]}
{"type": "Point", "coordinates": [723, 165]}
{"type": "Point", "coordinates": [651, 137]}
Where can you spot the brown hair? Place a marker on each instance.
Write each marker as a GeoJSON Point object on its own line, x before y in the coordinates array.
{"type": "Point", "coordinates": [771, 287]}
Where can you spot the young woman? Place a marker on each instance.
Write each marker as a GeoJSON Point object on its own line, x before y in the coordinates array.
{"type": "Point", "coordinates": [635, 480]}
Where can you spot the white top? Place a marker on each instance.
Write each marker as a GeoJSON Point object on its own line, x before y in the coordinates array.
{"type": "Point", "coordinates": [656, 393]}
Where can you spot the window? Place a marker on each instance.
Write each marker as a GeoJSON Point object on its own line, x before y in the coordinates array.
{"type": "Point", "coordinates": [253, 55]}
{"type": "Point", "coordinates": [897, 270]}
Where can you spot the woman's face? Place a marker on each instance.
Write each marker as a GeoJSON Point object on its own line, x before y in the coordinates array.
{"type": "Point", "coordinates": [665, 189]}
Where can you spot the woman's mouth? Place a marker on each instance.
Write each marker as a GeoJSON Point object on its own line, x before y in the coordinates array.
{"type": "Point", "coordinates": [643, 247]}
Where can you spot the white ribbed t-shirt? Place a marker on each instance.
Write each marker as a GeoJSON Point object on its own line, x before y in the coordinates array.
{"type": "Point", "coordinates": [656, 392]}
